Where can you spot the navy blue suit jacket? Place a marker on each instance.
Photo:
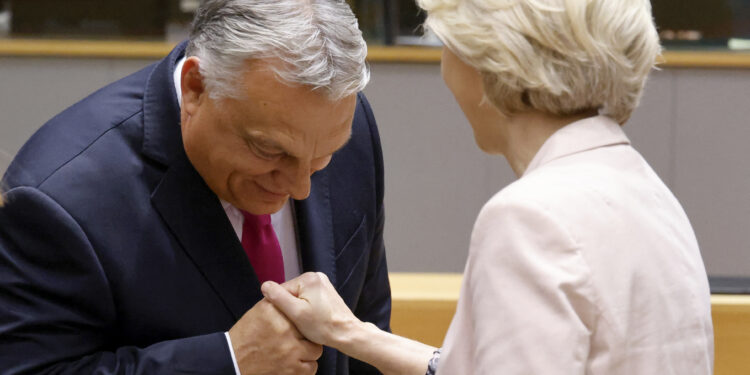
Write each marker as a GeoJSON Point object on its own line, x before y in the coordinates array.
{"type": "Point", "coordinates": [116, 257]}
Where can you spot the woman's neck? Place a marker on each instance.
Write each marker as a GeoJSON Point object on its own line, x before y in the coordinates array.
{"type": "Point", "coordinates": [526, 132]}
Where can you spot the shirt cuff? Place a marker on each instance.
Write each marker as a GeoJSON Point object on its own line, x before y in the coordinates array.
{"type": "Point", "coordinates": [231, 352]}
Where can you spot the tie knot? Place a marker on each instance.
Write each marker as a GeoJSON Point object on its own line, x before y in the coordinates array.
{"type": "Point", "coordinates": [257, 220]}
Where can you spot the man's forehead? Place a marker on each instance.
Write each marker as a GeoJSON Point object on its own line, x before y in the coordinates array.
{"type": "Point", "coordinates": [266, 72]}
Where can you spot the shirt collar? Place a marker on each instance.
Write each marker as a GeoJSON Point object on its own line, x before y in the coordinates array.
{"type": "Point", "coordinates": [178, 79]}
{"type": "Point", "coordinates": [579, 136]}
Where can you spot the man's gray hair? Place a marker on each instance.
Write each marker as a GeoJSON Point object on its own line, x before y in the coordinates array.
{"type": "Point", "coordinates": [318, 43]}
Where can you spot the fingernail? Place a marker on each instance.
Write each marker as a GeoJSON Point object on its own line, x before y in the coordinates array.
{"type": "Point", "coordinates": [264, 288]}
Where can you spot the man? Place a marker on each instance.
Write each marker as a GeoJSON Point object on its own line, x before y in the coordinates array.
{"type": "Point", "coordinates": [135, 232]}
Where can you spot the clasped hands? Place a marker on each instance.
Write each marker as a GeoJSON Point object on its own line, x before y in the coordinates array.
{"type": "Point", "coordinates": [284, 333]}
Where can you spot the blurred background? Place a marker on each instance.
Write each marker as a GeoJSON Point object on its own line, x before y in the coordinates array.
{"type": "Point", "coordinates": [692, 125]}
{"type": "Point", "coordinates": [390, 22]}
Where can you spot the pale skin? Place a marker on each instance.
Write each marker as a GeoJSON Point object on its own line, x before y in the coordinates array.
{"type": "Point", "coordinates": [256, 152]}
{"type": "Point", "coordinates": [312, 303]}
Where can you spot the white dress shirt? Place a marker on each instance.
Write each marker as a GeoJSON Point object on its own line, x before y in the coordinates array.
{"type": "Point", "coordinates": [585, 265]}
{"type": "Point", "coordinates": [282, 222]}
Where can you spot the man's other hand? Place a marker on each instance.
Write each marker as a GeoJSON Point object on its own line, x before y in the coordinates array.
{"type": "Point", "coordinates": [266, 342]}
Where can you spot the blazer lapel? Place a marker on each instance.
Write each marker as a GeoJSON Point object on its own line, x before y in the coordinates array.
{"type": "Point", "coordinates": [194, 215]}
{"type": "Point", "coordinates": [315, 228]}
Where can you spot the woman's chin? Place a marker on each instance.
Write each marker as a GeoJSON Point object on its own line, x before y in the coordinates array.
{"type": "Point", "coordinates": [486, 147]}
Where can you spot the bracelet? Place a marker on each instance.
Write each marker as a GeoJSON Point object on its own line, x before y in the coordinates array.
{"type": "Point", "coordinates": [433, 363]}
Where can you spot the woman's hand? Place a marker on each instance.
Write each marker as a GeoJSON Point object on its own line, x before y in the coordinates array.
{"type": "Point", "coordinates": [314, 306]}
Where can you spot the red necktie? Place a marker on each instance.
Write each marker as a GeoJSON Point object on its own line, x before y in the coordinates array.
{"type": "Point", "coordinates": [262, 247]}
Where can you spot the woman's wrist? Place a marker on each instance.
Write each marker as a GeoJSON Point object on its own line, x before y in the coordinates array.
{"type": "Point", "coordinates": [352, 334]}
{"type": "Point", "coordinates": [389, 353]}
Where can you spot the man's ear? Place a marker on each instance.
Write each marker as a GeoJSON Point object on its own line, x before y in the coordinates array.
{"type": "Point", "coordinates": [192, 85]}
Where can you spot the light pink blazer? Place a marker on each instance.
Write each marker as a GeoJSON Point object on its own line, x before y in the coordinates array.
{"type": "Point", "coordinates": [585, 265]}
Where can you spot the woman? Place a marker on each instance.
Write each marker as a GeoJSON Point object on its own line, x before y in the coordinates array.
{"type": "Point", "coordinates": [587, 263]}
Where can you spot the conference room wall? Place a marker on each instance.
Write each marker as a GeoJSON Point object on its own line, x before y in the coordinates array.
{"type": "Point", "coordinates": [692, 127]}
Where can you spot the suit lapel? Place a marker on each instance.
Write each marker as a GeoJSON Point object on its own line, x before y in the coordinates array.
{"type": "Point", "coordinates": [189, 208]}
{"type": "Point", "coordinates": [315, 228]}
{"type": "Point", "coordinates": [316, 243]}
{"type": "Point", "coordinates": [194, 215]}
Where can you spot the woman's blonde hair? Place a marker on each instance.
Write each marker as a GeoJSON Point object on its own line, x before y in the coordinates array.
{"type": "Point", "coordinates": [557, 56]}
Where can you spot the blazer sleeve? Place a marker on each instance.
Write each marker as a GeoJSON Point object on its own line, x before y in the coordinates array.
{"type": "Point", "coordinates": [56, 309]}
{"type": "Point", "coordinates": [531, 301]}
{"type": "Point", "coordinates": [375, 299]}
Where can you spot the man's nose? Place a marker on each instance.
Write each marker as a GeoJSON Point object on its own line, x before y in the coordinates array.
{"type": "Point", "coordinates": [298, 177]}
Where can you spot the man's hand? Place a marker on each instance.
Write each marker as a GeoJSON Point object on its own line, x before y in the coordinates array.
{"type": "Point", "coordinates": [265, 342]}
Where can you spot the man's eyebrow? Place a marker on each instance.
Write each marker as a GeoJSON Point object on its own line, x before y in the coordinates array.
{"type": "Point", "coordinates": [267, 142]}
{"type": "Point", "coordinates": [264, 141]}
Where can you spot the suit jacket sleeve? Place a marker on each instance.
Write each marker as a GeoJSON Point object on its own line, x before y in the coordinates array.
{"type": "Point", "coordinates": [56, 309]}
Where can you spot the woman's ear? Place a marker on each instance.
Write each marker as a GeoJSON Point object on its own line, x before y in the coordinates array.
{"type": "Point", "coordinates": [193, 87]}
